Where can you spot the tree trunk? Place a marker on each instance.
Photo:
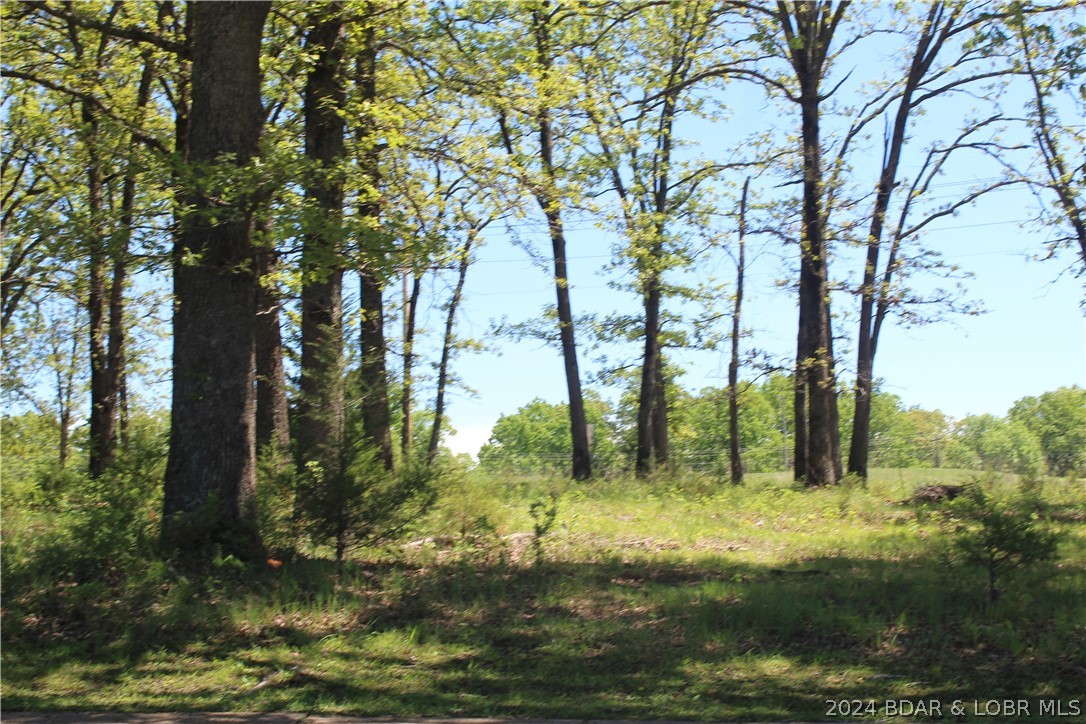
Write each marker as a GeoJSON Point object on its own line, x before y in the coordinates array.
{"type": "Point", "coordinates": [660, 444]}
{"type": "Point", "coordinates": [411, 300]}
{"type": "Point", "coordinates": [210, 475]}
{"type": "Point", "coordinates": [817, 438]}
{"type": "Point", "coordinates": [734, 458]}
{"type": "Point", "coordinates": [272, 420]}
{"type": "Point", "coordinates": [103, 412]}
{"type": "Point", "coordinates": [931, 41]}
{"type": "Point", "coordinates": [376, 418]}
{"type": "Point", "coordinates": [446, 348]}
{"type": "Point", "coordinates": [646, 438]}
{"type": "Point", "coordinates": [582, 461]}
{"type": "Point", "coordinates": [320, 403]}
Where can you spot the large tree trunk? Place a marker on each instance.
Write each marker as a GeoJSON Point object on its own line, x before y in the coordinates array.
{"type": "Point", "coordinates": [582, 461]}
{"type": "Point", "coordinates": [320, 404]}
{"type": "Point", "coordinates": [446, 348]}
{"type": "Point", "coordinates": [103, 412]}
{"type": "Point", "coordinates": [209, 497]}
{"type": "Point", "coordinates": [660, 444]}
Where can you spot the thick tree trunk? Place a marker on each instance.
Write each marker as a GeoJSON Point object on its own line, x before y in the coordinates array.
{"type": "Point", "coordinates": [661, 446]}
{"type": "Point", "coordinates": [646, 438]}
{"type": "Point", "coordinates": [446, 348]}
{"type": "Point", "coordinates": [320, 403]}
{"type": "Point", "coordinates": [808, 29]}
{"type": "Point", "coordinates": [210, 476]}
{"type": "Point", "coordinates": [272, 420]}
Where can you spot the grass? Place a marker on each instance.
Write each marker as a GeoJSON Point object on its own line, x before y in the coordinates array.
{"type": "Point", "coordinates": [687, 600]}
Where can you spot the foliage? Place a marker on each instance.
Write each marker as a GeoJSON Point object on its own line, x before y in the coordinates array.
{"type": "Point", "coordinates": [999, 534]}
{"type": "Point", "coordinates": [990, 443]}
{"type": "Point", "coordinates": [364, 503]}
{"type": "Point", "coordinates": [1058, 421]}
{"type": "Point", "coordinates": [536, 438]}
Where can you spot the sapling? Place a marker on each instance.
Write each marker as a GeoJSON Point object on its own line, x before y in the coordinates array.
{"type": "Point", "coordinates": [999, 534]}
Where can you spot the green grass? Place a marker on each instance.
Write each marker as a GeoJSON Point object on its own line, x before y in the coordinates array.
{"type": "Point", "coordinates": [683, 599]}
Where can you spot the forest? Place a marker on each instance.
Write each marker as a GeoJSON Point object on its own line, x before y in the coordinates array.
{"type": "Point", "coordinates": [238, 242]}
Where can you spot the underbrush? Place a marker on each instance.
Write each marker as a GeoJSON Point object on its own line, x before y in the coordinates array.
{"type": "Point", "coordinates": [544, 598]}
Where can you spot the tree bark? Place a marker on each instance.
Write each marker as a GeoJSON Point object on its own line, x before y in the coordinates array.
{"type": "Point", "coordinates": [931, 40]}
{"type": "Point", "coordinates": [209, 496]}
{"type": "Point", "coordinates": [103, 412]}
{"type": "Point", "coordinates": [376, 416]}
{"type": "Point", "coordinates": [817, 437]}
{"type": "Point", "coordinates": [320, 403]}
{"type": "Point", "coordinates": [646, 438]}
{"type": "Point", "coordinates": [734, 456]}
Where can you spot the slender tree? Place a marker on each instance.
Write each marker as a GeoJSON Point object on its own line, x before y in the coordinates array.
{"type": "Point", "coordinates": [734, 456]}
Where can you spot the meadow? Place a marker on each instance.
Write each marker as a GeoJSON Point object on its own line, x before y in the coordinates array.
{"type": "Point", "coordinates": [677, 598]}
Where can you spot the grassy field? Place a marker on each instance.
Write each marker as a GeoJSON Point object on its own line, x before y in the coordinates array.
{"type": "Point", "coordinates": [688, 600]}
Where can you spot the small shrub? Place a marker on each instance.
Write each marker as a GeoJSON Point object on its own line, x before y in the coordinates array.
{"type": "Point", "coordinates": [543, 515]}
{"type": "Point", "coordinates": [363, 504]}
{"type": "Point", "coordinates": [999, 534]}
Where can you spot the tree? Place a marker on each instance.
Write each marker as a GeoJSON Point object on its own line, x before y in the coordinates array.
{"type": "Point", "coordinates": [526, 100]}
{"type": "Point", "coordinates": [209, 483]}
{"type": "Point", "coordinates": [808, 29]}
{"type": "Point", "coordinates": [1052, 57]}
{"type": "Point", "coordinates": [320, 401]}
{"type": "Point", "coordinates": [535, 437]}
{"type": "Point", "coordinates": [637, 89]}
{"type": "Point", "coordinates": [941, 30]}
{"type": "Point", "coordinates": [1058, 421]}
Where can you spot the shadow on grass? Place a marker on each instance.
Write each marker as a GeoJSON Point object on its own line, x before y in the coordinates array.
{"type": "Point", "coordinates": [638, 639]}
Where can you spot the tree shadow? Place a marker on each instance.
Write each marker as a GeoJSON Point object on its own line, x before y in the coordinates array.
{"type": "Point", "coordinates": [647, 638]}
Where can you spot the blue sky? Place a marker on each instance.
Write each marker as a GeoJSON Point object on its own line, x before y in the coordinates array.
{"type": "Point", "coordinates": [1030, 338]}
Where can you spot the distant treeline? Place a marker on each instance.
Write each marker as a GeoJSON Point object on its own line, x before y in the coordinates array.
{"type": "Point", "coordinates": [1040, 435]}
